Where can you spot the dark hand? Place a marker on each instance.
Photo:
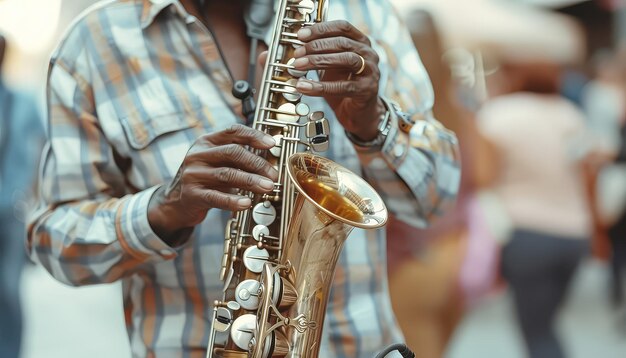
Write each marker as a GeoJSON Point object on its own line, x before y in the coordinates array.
{"type": "Point", "coordinates": [335, 47]}
{"type": "Point", "coordinates": [215, 167]}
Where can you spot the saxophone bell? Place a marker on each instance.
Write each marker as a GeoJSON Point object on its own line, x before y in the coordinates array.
{"type": "Point", "coordinates": [331, 202]}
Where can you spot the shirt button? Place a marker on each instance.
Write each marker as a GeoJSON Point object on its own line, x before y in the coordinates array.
{"type": "Point", "coordinates": [398, 150]}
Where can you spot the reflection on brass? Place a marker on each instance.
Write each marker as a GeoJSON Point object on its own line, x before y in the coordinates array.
{"type": "Point", "coordinates": [223, 353]}
{"type": "Point", "coordinates": [328, 197]}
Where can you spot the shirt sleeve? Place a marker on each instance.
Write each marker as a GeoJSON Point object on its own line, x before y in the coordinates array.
{"type": "Point", "coordinates": [88, 228]}
{"type": "Point", "coordinates": [416, 173]}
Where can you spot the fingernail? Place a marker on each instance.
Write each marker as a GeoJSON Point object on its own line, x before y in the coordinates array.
{"type": "Point", "coordinates": [299, 52]}
{"type": "Point", "coordinates": [304, 34]}
{"type": "Point", "coordinates": [266, 184]}
{"type": "Point", "coordinates": [269, 141]}
{"type": "Point", "coordinates": [244, 203]}
{"type": "Point", "coordinates": [301, 62]}
{"type": "Point", "coordinates": [304, 85]}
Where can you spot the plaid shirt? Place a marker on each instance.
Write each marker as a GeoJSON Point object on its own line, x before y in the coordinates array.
{"type": "Point", "coordinates": [131, 86]}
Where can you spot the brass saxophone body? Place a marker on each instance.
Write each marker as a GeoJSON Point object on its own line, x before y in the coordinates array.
{"type": "Point", "coordinates": [280, 256]}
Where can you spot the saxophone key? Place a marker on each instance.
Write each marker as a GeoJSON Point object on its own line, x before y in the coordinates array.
{"type": "Point", "coordinates": [290, 93]}
{"type": "Point", "coordinates": [223, 319]}
{"type": "Point", "coordinates": [304, 7]}
{"type": "Point", "coordinates": [294, 72]}
{"type": "Point", "coordinates": [243, 330]}
{"type": "Point", "coordinates": [247, 294]}
{"type": "Point", "coordinates": [254, 258]}
{"type": "Point", "coordinates": [259, 232]}
{"type": "Point", "coordinates": [264, 213]}
{"type": "Point", "coordinates": [276, 150]}
{"type": "Point", "coordinates": [317, 130]}
{"type": "Point", "coordinates": [302, 109]}
{"type": "Point", "coordinates": [287, 111]}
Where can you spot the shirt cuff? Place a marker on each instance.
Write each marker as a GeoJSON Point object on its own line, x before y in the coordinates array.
{"type": "Point", "coordinates": [393, 151]}
{"type": "Point", "coordinates": [135, 233]}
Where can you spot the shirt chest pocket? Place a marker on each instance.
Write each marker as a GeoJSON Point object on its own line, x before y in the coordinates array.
{"type": "Point", "coordinates": [158, 117]}
{"type": "Point", "coordinates": [156, 140]}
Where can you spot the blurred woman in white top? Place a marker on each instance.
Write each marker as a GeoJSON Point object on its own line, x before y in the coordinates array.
{"type": "Point", "coordinates": [540, 139]}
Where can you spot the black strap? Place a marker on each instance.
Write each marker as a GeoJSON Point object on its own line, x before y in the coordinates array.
{"type": "Point", "coordinates": [258, 18]}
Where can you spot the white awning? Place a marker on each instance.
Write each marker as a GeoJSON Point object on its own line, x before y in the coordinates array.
{"type": "Point", "coordinates": [505, 29]}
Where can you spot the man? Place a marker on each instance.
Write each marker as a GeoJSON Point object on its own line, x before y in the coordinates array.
{"type": "Point", "coordinates": [20, 144]}
{"type": "Point", "coordinates": [144, 146]}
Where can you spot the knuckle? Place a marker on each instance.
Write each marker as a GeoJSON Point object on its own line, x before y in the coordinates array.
{"type": "Point", "coordinates": [224, 175]}
{"type": "Point", "coordinates": [352, 59]}
{"type": "Point", "coordinates": [324, 27]}
{"type": "Point", "coordinates": [250, 181]}
{"type": "Point", "coordinates": [319, 60]}
{"type": "Point", "coordinates": [209, 197]}
{"type": "Point", "coordinates": [258, 164]}
{"type": "Point", "coordinates": [203, 141]}
{"type": "Point", "coordinates": [255, 134]}
{"type": "Point", "coordinates": [343, 44]}
{"type": "Point", "coordinates": [315, 46]}
{"type": "Point", "coordinates": [350, 87]}
{"type": "Point", "coordinates": [344, 25]}
{"type": "Point", "coordinates": [232, 151]}
{"type": "Point", "coordinates": [234, 129]}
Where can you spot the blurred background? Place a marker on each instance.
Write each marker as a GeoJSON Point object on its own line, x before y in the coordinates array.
{"type": "Point", "coordinates": [531, 259]}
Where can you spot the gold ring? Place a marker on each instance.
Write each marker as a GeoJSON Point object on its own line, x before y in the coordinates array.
{"type": "Point", "coordinates": [362, 65]}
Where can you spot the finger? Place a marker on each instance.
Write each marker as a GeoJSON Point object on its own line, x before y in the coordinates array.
{"type": "Point", "coordinates": [220, 200]}
{"type": "Point", "coordinates": [226, 178]}
{"type": "Point", "coordinates": [354, 89]}
{"type": "Point", "coordinates": [332, 29]}
{"type": "Point", "coordinates": [235, 156]}
{"type": "Point", "coordinates": [336, 45]}
{"type": "Point", "coordinates": [241, 134]}
{"type": "Point", "coordinates": [349, 61]}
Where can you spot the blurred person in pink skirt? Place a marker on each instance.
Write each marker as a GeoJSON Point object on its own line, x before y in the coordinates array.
{"type": "Point", "coordinates": [540, 140]}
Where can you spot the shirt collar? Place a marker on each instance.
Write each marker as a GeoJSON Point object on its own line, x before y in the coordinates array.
{"type": "Point", "coordinates": [151, 8]}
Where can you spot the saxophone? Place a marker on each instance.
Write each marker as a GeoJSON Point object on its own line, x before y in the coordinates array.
{"type": "Point", "coordinates": [280, 255]}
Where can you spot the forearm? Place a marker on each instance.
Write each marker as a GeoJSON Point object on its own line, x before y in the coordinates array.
{"type": "Point", "coordinates": [96, 241]}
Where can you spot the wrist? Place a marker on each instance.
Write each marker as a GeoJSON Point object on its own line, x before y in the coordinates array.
{"type": "Point", "coordinates": [165, 219]}
{"type": "Point", "coordinates": [370, 131]}
{"type": "Point", "coordinates": [375, 143]}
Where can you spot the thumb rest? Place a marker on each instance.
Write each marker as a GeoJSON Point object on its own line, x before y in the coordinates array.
{"type": "Point", "coordinates": [280, 256]}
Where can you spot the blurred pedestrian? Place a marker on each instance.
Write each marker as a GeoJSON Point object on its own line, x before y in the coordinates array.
{"type": "Point", "coordinates": [605, 106]}
{"type": "Point", "coordinates": [424, 264]}
{"type": "Point", "coordinates": [20, 144]}
{"type": "Point", "coordinates": [539, 137]}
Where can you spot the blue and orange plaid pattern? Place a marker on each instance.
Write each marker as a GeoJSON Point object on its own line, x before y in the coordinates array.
{"type": "Point", "coordinates": [131, 86]}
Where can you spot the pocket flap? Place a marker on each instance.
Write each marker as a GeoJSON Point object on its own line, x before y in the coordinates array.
{"type": "Point", "coordinates": [140, 132]}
